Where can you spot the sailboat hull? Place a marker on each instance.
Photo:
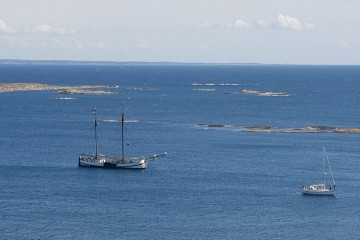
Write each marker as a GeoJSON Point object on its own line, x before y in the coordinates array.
{"type": "Point", "coordinates": [112, 162]}
{"type": "Point", "coordinates": [320, 193]}
{"type": "Point", "coordinates": [318, 189]}
{"type": "Point", "coordinates": [104, 162]}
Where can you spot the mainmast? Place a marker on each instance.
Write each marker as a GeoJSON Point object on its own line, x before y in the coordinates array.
{"type": "Point", "coordinates": [96, 138]}
{"type": "Point", "coordinates": [324, 173]}
{"type": "Point", "coordinates": [122, 133]}
{"type": "Point", "coordinates": [332, 176]}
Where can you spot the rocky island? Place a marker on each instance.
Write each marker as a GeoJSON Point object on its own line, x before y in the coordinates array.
{"type": "Point", "coordinates": [85, 89]}
{"type": "Point", "coordinates": [269, 129]}
{"type": "Point", "coordinates": [264, 94]}
{"type": "Point", "coordinates": [310, 129]}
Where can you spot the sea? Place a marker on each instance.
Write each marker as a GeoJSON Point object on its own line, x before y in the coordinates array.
{"type": "Point", "coordinates": [218, 181]}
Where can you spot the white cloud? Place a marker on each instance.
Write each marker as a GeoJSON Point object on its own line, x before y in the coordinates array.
{"type": "Point", "coordinates": [48, 29]}
{"type": "Point", "coordinates": [287, 22]}
{"type": "Point", "coordinates": [4, 28]}
{"type": "Point", "coordinates": [283, 21]}
{"type": "Point", "coordinates": [241, 24]}
{"type": "Point", "coordinates": [66, 44]}
{"type": "Point", "coordinates": [290, 23]}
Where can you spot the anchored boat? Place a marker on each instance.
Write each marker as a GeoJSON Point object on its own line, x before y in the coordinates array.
{"type": "Point", "coordinates": [98, 160]}
{"type": "Point", "coordinates": [322, 188]}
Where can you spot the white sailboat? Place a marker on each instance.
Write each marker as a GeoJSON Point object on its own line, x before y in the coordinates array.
{"type": "Point", "coordinates": [98, 160]}
{"type": "Point", "coordinates": [322, 188]}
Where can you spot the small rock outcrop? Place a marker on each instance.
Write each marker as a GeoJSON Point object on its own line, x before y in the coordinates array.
{"type": "Point", "coordinates": [264, 94]}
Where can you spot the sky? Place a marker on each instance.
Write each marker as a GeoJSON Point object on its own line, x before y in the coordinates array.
{"type": "Point", "coordinates": [190, 31]}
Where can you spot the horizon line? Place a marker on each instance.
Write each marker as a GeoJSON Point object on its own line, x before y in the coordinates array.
{"type": "Point", "coordinates": [20, 61]}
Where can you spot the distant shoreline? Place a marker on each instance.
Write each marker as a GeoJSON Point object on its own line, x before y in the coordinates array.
{"type": "Point", "coordinates": [74, 62]}
{"type": "Point", "coordinates": [170, 63]}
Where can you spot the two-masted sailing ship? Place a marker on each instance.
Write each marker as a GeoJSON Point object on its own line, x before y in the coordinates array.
{"type": "Point", "coordinates": [97, 160]}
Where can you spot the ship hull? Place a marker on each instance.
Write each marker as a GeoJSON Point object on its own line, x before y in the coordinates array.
{"type": "Point", "coordinates": [104, 162]}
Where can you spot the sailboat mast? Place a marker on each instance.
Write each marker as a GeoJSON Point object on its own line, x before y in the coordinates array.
{"type": "Point", "coordinates": [122, 133]}
{"type": "Point", "coordinates": [324, 173]}
{"type": "Point", "coordinates": [96, 138]}
{"type": "Point", "coordinates": [332, 176]}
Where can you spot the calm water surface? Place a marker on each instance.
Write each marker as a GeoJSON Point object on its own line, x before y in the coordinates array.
{"type": "Point", "coordinates": [214, 183]}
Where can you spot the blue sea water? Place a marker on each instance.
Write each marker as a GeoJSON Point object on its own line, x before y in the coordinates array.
{"type": "Point", "coordinates": [215, 183]}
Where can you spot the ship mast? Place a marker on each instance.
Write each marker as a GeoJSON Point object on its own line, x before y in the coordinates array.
{"type": "Point", "coordinates": [324, 172]}
{"type": "Point", "coordinates": [122, 133]}
{"type": "Point", "coordinates": [96, 138]}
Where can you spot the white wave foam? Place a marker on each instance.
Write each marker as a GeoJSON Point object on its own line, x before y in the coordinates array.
{"type": "Point", "coordinates": [143, 89]}
{"type": "Point", "coordinates": [204, 89]}
{"type": "Point", "coordinates": [132, 121]}
{"type": "Point", "coordinates": [215, 84]}
{"type": "Point", "coordinates": [118, 120]}
{"type": "Point", "coordinates": [64, 98]}
{"type": "Point", "coordinates": [111, 120]}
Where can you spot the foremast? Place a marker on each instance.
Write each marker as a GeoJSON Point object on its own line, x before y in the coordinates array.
{"type": "Point", "coordinates": [95, 135]}
{"type": "Point", "coordinates": [122, 133]}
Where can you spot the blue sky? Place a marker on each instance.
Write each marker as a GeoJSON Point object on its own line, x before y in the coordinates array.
{"type": "Point", "coordinates": [210, 31]}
